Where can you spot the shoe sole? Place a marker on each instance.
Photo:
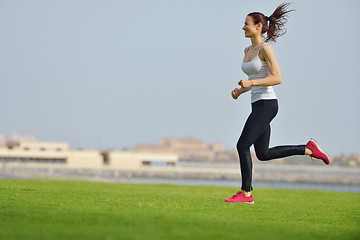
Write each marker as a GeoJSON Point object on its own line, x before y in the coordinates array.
{"type": "Point", "coordinates": [242, 202]}
{"type": "Point", "coordinates": [317, 145]}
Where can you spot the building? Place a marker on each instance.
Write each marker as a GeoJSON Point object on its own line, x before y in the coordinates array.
{"type": "Point", "coordinates": [187, 148]}
{"type": "Point", "coordinates": [117, 159]}
{"type": "Point", "coordinates": [35, 151]}
{"type": "Point", "coordinates": [49, 152]}
{"type": "Point", "coordinates": [58, 153]}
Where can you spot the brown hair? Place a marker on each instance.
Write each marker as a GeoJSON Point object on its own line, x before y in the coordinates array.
{"type": "Point", "coordinates": [276, 20]}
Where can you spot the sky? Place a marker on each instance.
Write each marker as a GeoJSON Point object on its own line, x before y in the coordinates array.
{"type": "Point", "coordinates": [111, 74]}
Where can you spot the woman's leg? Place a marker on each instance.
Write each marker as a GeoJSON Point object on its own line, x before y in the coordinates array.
{"type": "Point", "coordinates": [263, 112]}
{"type": "Point", "coordinates": [264, 153]}
{"type": "Point", "coordinates": [243, 148]}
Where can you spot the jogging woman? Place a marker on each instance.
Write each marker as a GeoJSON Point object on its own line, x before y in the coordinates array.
{"type": "Point", "coordinates": [264, 72]}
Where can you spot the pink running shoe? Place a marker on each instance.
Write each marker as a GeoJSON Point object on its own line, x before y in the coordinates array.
{"type": "Point", "coordinates": [240, 197]}
{"type": "Point", "coordinates": [317, 152]}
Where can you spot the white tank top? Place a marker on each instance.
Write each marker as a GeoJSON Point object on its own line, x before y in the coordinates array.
{"type": "Point", "coordinates": [257, 69]}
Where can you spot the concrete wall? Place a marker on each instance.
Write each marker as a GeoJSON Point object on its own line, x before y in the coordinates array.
{"type": "Point", "coordinates": [123, 160]}
{"type": "Point", "coordinates": [84, 159]}
{"type": "Point", "coordinates": [136, 160]}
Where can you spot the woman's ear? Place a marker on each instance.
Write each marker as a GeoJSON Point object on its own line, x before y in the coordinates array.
{"type": "Point", "coordinates": [258, 26]}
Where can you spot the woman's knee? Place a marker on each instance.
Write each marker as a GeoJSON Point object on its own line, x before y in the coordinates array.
{"type": "Point", "coordinates": [243, 144]}
{"type": "Point", "coordinates": [262, 156]}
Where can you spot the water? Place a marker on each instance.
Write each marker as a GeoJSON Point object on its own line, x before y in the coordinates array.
{"type": "Point", "coordinates": [228, 183]}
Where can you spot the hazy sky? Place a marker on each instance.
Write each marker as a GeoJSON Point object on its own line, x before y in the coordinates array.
{"type": "Point", "coordinates": [115, 73]}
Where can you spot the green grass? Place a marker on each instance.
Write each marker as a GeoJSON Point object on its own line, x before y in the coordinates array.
{"type": "Point", "coordinates": [91, 210]}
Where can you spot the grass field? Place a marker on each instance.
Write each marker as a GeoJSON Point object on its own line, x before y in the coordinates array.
{"type": "Point", "coordinates": [91, 210]}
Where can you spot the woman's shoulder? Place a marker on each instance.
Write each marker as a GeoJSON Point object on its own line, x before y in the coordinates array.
{"type": "Point", "coordinates": [266, 49]}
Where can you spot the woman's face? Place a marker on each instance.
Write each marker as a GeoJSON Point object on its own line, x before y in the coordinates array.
{"type": "Point", "coordinates": [250, 29]}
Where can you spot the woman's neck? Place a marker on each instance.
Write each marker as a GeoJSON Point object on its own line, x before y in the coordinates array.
{"type": "Point", "coordinates": [257, 41]}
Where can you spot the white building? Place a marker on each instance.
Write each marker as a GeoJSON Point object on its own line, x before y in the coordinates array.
{"type": "Point", "coordinates": [59, 153]}
{"type": "Point", "coordinates": [116, 159]}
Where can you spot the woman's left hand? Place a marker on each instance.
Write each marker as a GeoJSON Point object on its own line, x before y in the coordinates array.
{"type": "Point", "coordinates": [245, 83]}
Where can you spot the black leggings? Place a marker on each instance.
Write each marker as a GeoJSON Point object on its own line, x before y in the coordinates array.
{"type": "Point", "coordinates": [257, 131]}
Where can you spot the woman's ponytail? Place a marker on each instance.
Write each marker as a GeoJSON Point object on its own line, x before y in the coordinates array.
{"type": "Point", "coordinates": [276, 21]}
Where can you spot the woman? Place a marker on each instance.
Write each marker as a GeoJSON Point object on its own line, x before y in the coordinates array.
{"type": "Point", "coordinates": [263, 71]}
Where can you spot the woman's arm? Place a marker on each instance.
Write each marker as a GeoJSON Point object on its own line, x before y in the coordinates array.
{"type": "Point", "coordinates": [275, 73]}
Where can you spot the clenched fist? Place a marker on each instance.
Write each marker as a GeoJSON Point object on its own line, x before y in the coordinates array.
{"type": "Point", "coordinates": [235, 93]}
{"type": "Point", "coordinates": [245, 83]}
